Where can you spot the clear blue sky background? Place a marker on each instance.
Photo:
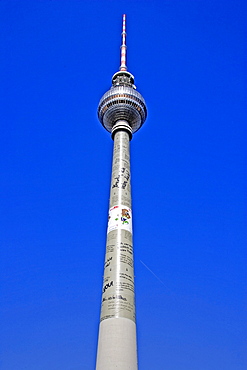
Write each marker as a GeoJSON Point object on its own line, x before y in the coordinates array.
{"type": "Point", "coordinates": [188, 180]}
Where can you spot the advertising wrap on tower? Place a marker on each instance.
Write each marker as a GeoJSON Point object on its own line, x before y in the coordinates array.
{"type": "Point", "coordinates": [118, 283]}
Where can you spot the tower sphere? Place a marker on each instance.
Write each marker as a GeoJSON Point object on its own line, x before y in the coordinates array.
{"type": "Point", "coordinates": [122, 102]}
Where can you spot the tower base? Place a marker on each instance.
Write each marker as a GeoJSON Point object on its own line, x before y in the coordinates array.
{"type": "Point", "coordinates": [117, 345]}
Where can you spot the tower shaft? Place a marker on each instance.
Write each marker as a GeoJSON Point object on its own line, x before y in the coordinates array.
{"type": "Point", "coordinates": [117, 333]}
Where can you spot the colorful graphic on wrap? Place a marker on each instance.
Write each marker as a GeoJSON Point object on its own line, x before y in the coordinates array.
{"type": "Point", "coordinates": [125, 216]}
{"type": "Point", "coordinates": [120, 217]}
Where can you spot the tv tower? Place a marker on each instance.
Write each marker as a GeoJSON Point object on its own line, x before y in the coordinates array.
{"type": "Point", "coordinates": [122, 111]}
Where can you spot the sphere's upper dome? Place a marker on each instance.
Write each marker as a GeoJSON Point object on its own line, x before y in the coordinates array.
{"type": "Point", "coordinates": [122, 103]}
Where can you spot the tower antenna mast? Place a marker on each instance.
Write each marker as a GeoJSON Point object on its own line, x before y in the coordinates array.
{"type": "Point", "coordinates": [123, 66]}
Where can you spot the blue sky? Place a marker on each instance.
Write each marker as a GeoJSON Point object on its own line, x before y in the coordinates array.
{"type": "Point", "coordinates": [188, 180]}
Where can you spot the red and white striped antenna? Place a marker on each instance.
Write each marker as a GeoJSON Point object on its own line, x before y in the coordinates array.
{"type": "Point", "coordinates": [123, 66]}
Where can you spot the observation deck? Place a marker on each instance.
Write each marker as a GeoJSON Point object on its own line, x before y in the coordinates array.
{"type": "Point", "coordinates": [122, 102]}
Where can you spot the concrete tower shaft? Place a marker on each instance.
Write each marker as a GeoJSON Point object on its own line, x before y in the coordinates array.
{"type": "Point", "coordinates": [122, 111]}
{"type": "Point", "coordinates": [117, 334]}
